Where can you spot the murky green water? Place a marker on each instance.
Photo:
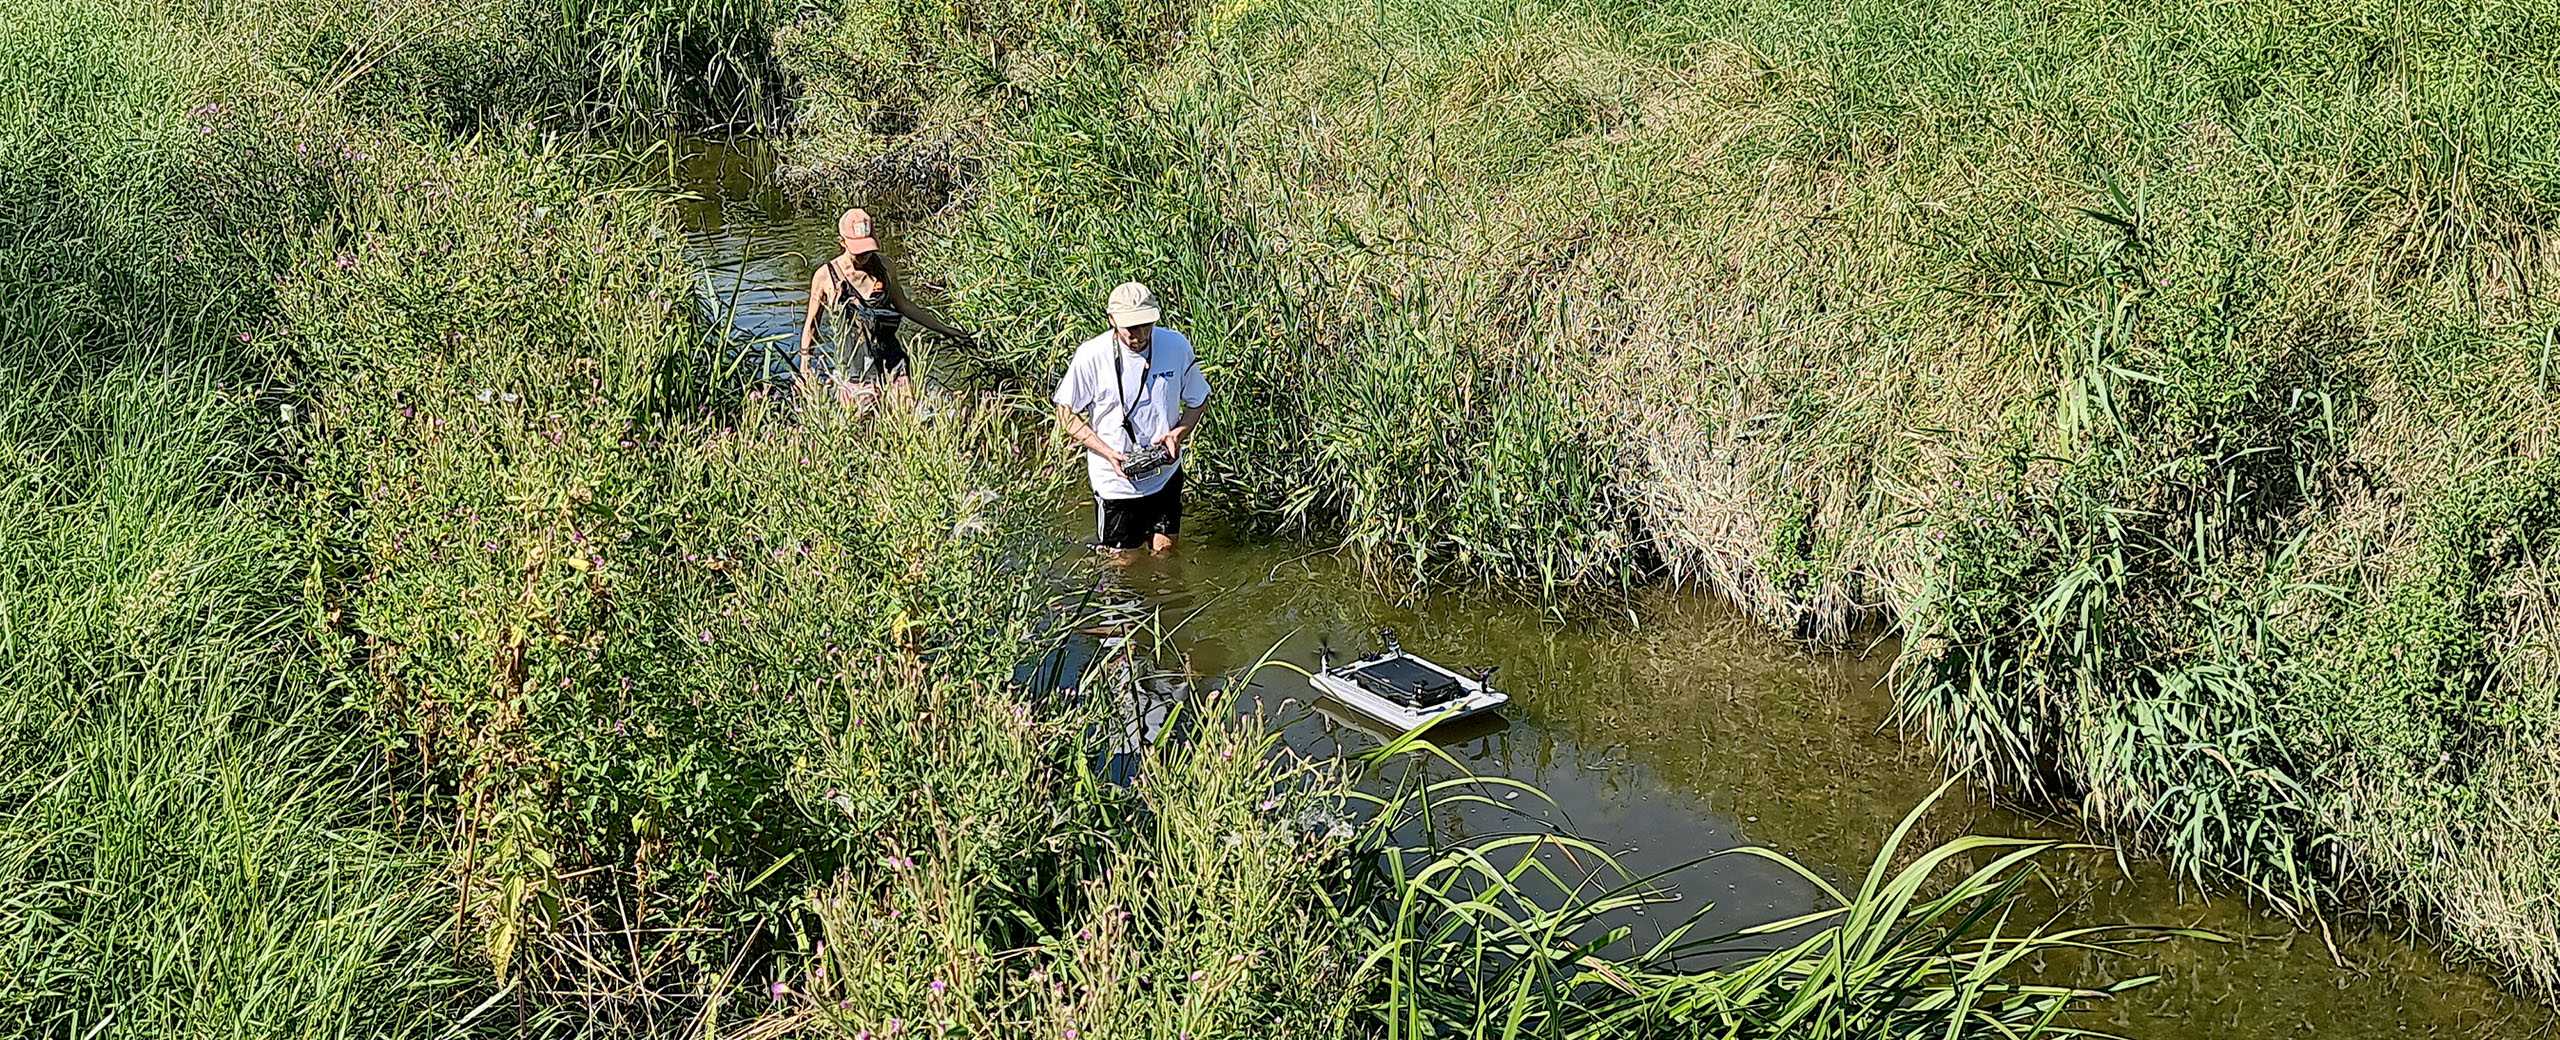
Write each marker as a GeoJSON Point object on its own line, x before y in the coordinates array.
{"type": "Point", "coordinates": [1680, 730]}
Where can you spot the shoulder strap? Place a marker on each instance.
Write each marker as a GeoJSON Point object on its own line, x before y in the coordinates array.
{"type": "Point", "coordinates": [1129, 404]}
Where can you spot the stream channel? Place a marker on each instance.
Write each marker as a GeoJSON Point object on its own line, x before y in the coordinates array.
{"type": "Point", "coordinates": [1675, 730]}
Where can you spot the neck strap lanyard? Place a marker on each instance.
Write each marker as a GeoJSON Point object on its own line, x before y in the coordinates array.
{"type": "Point", "coordinates": [1129, 404]}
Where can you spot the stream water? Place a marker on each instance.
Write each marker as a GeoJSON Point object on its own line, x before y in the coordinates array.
{"type": "Point", "coordinates": [1676, 730]}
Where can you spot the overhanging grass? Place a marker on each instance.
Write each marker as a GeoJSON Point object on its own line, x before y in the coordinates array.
{"type": "Point", "coordinates": [2143, 363]}
{"type": "Point", "coordinates": [494, 685]}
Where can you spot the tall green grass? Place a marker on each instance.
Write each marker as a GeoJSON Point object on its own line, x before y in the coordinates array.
{"type": "Point", "coordinates": [705, 692]}
{"type": "Point", "coordinates": [606, 65]}
{"type": "Point", "coordinates": [193, 840]}
{"type": "Point", "coordinates": [396, 644]}
{"type": "Point", "coordinates": [2143, 364]}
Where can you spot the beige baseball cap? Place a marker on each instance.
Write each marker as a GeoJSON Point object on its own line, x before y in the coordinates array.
{"type": "Point", "coordinates": [1131, 305]}
{"type": "Point", "coordinates": [854, 230]}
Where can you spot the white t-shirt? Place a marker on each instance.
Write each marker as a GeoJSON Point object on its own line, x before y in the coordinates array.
{"type": "Point", "coordinates": [1105, 379]}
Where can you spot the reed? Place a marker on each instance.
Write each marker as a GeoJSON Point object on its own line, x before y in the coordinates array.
{"type": "Point", "coordinates": [398, 644]}
{"type": "Point", "coordinates": [2138, 364]}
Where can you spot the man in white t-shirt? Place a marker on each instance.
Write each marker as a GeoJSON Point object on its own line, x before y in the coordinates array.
{"type": "Point", "coordinates": [1130, 389]}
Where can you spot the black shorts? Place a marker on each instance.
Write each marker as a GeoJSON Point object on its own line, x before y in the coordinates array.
{"type": "Point", "coordinates": [879, 368]}
{"type": "Point", "coordinates": [1131, 523]}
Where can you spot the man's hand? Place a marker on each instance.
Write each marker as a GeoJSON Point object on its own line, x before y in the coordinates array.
{"type": "Point", "coordinates": [1084, 436]}
{"type": "Point", "coordinates": [1171, 440]}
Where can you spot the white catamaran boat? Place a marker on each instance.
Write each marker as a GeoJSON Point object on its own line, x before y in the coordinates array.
{"type": "Point", "coordinates": [1401, 691]}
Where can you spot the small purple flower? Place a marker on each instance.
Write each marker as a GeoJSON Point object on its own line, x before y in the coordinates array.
{"type": "Point", "coordinates": [244, 337]}
{"type": "Point", "coordinates": [1269, 804]}
{"type": "Point", "coordinates": [346, 261]}
{"type": "Point", "coordinates": [706, 637]}
{"type": "Point", "coordinates": [779, 990]}
{"type": "Point", "coordinates": [937, 986]}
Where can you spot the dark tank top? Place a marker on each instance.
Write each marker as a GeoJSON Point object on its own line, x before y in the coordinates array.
{"type": "Point", "coordinates": [862, 330]}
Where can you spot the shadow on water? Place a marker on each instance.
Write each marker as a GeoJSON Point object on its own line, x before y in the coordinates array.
{"type": "Point", "coordinates": [1663, 736]}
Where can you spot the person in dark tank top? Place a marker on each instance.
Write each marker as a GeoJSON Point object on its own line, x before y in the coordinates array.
{"type": "Point", "coordinates": [849, 337]}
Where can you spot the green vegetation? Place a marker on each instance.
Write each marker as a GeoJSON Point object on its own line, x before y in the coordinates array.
{"type": "Point", "coordinates": [193, 840]}
{"type": "Point", "coordinates": [1474, 933]}
{"type": "Point", "coordinates": [400, 639]}
{"type": "Point", "coordinates": [2174, 378]}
